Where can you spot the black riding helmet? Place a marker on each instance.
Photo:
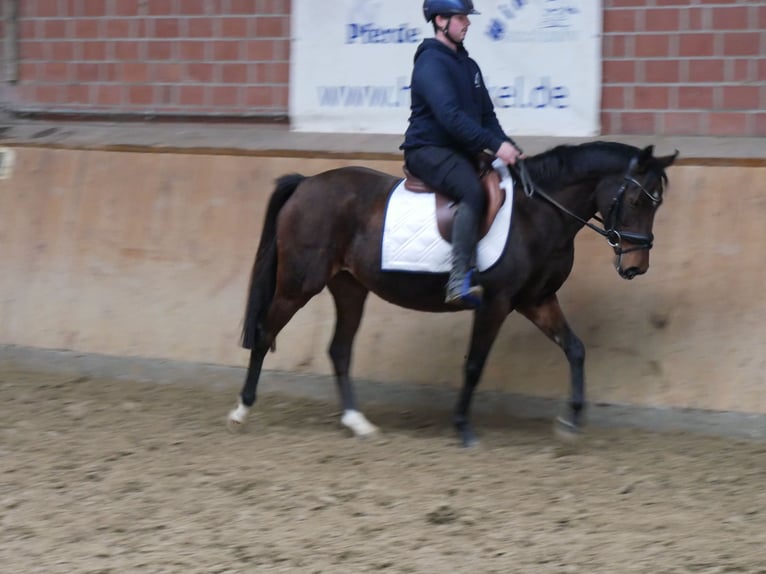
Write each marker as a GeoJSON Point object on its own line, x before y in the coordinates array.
{"type": "Point", "coordinates": [447, 8]}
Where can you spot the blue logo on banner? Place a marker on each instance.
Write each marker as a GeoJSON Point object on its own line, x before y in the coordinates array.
{"type": "Point", "coordinates": [522, 20]}
{"type": "Point", "coordinates": [364, 27]}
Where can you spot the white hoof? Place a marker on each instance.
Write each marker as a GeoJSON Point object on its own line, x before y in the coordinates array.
{"type": "Point", "coordinates": [358, 424]}
{"type": "Point", "coordinates": [237, 418]}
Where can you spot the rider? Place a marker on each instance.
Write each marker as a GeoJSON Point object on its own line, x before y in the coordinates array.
{"type": "Point", "coordinates": [452, 120]}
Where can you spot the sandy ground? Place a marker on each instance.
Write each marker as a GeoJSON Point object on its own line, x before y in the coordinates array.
{"type": "Point", "coordinates": [103, 476]}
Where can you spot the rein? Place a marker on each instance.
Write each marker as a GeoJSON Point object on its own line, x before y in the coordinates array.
{"type": "Point", "coordinates": [611, 234]}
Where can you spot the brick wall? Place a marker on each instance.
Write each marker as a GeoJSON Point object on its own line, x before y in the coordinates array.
{"type": "Point", "coordinates": [693, 67]}
{"type": "Point", "coordinates": [675, 67]}
{"type": "Point", "coordinates": [224, 57]}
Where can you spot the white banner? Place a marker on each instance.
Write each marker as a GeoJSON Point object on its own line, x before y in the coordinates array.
{"type": "Point", "coordinates": [352, 60]}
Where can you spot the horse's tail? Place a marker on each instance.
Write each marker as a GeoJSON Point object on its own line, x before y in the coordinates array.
{"type": "Point", "coordinates": [264, 275]}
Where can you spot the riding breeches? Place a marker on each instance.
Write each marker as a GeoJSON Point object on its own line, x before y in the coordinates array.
{"type": "Point", "coordinates": [449, 172]}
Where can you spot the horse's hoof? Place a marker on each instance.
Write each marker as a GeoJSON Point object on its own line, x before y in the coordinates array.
{"type": "Point", "coordinates": [234, 426]}
{"type": "Point", "coordinates": [358, 424]}
{"type": "Point", "coordinates": [470, 442]}
{"type": "Point", "coordinates": [565, 431]}
{"type": "Point", "coordinates": [237, 418]}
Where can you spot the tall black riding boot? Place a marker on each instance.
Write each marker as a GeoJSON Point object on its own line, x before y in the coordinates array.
{"type": "Point", "coordinates": [465, 235]}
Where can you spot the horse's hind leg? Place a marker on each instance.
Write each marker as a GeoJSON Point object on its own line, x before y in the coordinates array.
{"type": "Point", "coordinates": [281, 311]}
{"type": "Point", "coordinates": [349, 296]}
{"type": "Point", "coordinates": [549, 318]}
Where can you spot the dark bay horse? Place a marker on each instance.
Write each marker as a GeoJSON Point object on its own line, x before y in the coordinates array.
{"type": "Point", "coordinates": [326, 229]}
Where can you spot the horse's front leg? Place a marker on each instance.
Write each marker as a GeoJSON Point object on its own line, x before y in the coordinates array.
{"type": "Point", "coordinates": [550, 319]}
{"type": "Point", "coordinates": [486, 324]}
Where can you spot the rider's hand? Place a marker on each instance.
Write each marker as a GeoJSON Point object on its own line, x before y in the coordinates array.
{"type": "Point", "coordinates": [508, 153]}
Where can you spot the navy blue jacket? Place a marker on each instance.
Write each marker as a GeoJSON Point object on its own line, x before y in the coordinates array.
{"type": "Point", "coordinates": [450, 103]}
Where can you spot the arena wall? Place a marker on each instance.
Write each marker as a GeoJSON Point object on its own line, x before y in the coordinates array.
{"type": "Point", "coordinates": [141, 254]}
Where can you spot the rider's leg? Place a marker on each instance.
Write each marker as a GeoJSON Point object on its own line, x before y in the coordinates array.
{"type": "Point", "coordinates": [455, 176]}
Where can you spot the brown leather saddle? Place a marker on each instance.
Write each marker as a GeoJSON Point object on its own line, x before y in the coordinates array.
{"type": "Point", "coordinates": [445, 207]}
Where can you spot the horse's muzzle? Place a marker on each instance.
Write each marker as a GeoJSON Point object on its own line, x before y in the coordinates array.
{"type": "Point", "coordinates": [629, 272]}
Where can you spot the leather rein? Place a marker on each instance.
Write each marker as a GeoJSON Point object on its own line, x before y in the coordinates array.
{"type": "Point", "coordinates": [609, 230]}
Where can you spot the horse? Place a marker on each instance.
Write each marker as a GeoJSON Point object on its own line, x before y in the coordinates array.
{"type": "Point", "coordinates": [325, 230]}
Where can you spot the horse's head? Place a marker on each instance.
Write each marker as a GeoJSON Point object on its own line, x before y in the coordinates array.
{"type": "Point", "coordinates": [628, 206]}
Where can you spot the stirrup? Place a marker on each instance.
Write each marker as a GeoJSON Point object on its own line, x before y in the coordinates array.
{"type": "Point", "coordinates": [469, 296]}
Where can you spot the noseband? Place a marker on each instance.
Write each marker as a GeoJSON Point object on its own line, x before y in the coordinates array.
{"type": "Point", "coordinates": [609, 231]}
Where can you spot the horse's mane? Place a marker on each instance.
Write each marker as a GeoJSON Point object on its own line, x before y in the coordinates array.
{"type": "Point", "coordinates": [566, 163]}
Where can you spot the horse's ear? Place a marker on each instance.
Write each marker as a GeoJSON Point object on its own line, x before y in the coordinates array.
{"type": "Point", "coordinates": [640, 162]}
{"type": "Point", "coordinates": [667, 160]}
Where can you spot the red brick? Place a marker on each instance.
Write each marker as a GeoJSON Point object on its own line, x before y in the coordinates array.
{"type": "Point", "coordinates": [191, 95]}
{"type": "Point", "coordinates": [638, 123]}
{"type": "Point", "coordinates": [199, 28]}
{"type": "Point", "coordinates": [134, 72]}
{"type": "Point", "coordinates": [191, 50]}
{"type": "Point", "coordinates": [614, 46]}
{"type": "Point", "coordinates": [662, 71]}
{"type": "Point", "coordinates": [618, 72]}
{"type": "Point", "coordinates": [128, 7]}
{"type": "Point", "coordinates": [93, 51]}
{"type": "Point", "coordinates": [711, 70]}
{"type": "Point", "coordinates": [761, 68]}
{"type": "Point", "coordinates": [233, 27]}
{"type": "Point", "coordinates": [270, 27]}
{"type": "Point", "coordinates": [93, 8]}
{"type": "Point", "coordinates": [612, 97]}
{"type": "Point", "coordinates": [740, 70]}
{"type": "Point", "coordinates": [762, 17]}
{"type": "Point", "coordinates": [226, 50]}
{"type": "Point", "coordinates": [279, 98]}
{"type": "Point", "coordinates": [55, 29]}
{"type": "Point", "coordinates": [75, 94]}
{"type": "Point", "coordinates": [28, 71]}
{"type": "Point", "coordinates": [194, 7]}
{"type": "Point", "coordinates": [741, 44]}
{"type": "Point", "coordinates": [234, 73]}
{"type": "Point", "coordinates": [87, 29]}
{"type": "Point", "coordinates": [652, 45]}
{"type": "Point", "coordinates": [272, 6]}
{"type": "Point", "coordinates": [127, 51]}
{"type": "Point", "coordinates": [32, 50]}
{"type": "Point", "coordinates": [114, 28]}
{"type": "Point", "coordinates": [160, 8]}
{"type": "Point", "coordinates": [650, 97]}
{"type": "Point", "coordinates": [730, 18]}
{"type": "Point", "coordinates": [726, 123]}
{"type": "Point", "coordinates": [165, 28]}
{"type": "Point", "coordinates": [259, 50]}
{"type": "Point", "coordinates": [624, 20]}
{"type": "Point", "coordinates": [223, 96]}
{"type": "Point", "coordinates": [53, 72]}
{"type": "Point", "coordinates": [696, 45]}
{"type": "Point", "coordinates": [258, 97]}
{"type": "Point", "coordinates": [682, 123]}
{"type": "Point", "coordinates": [697, 19]}
{"type": "Point", "coordinates": [139, 94]}
{"type": "Point", "coordinates": [695, 97]}
{"type": "Point", "coordinates": [740, 97]}
{"type": "Point", "coordinates": [47, 94]}
{"type": "Point", "coordinates": [61, 51]}
{"type": "Point", "coordinates": [609, 123]}
{"type": "Point", "coordinates": [159, 50]}
{"type": "Point", "coordinates": [86, 72]}
{"type": "Point", "coordinates": [201, 72]}
{"type": "Point", "coordinates": [166, 73]}
{"type": "Point", "coordinates": [245, 7]}
{"type": "Point", "coordinates": [759, 124]}
{"type": "Point", "coordinates": [281, 49]}
{"type": "Point", "coordinates": [662, 19]}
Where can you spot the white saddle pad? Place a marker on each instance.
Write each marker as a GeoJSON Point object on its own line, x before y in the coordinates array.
{"type": "Point", "coordinates": [411, 240]}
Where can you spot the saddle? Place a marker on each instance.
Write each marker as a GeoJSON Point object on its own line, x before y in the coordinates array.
{"type": "Point", "coordinates": [445, 207]}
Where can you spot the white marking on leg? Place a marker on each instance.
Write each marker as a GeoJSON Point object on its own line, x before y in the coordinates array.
{"type": "Point", "coordinates": [238, 416]}
{"type": "Point", "coordinates": [358, 424]}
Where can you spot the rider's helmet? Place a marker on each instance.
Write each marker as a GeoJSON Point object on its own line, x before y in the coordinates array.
{"type": "Point", "coordinates": [447, 8]}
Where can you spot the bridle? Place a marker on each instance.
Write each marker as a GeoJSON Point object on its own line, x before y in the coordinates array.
{"type": "Point", "coordinates": [609, 230]}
